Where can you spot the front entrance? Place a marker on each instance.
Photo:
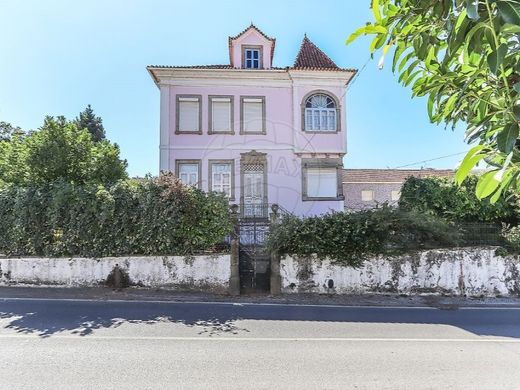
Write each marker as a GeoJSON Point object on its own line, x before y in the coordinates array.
{"type": "Point", "coordinates": [253, 187]}
{"type": "Point", "coordinates": [253, 258]}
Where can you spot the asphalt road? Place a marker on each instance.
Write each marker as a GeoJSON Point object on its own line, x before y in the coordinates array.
{"type": "Point", "coordinates": [83, 344]}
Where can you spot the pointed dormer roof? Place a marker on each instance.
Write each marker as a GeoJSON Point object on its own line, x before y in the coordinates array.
{"type": "Point", "coordinates": [252, 26]}
{"type": "Point", "coordinates": [311, 57]}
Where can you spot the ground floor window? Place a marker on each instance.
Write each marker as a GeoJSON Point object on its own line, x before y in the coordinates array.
{"type": "Point", "coordinates": [321, 179]}
{"type": "Point", "coordinates": [221, 177]}
{"type": "Point", "coordinates": [188, 171]}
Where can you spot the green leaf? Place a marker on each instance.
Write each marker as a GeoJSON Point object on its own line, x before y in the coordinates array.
{"type": "Point", "coordinates": [472, 9]}
{"type": "Point", "coordinates": [487, 184]}
{"type": "Point", "coordinates": [516, 87]}
{"type": "Point", "coordinates": [356, 34]}
{"type": "Point", "coordinates": [376, 11]}
{"type": "Point", "coordinates": [468, 163]}
{"type": "Point", "coordinates": [516, 111]}
{"type": "Point", "coordinates": [509, 11]}
{"type": "Point", "coordinates": [506, 139]}
{"type": "Point", "coordinates": [496, 58]}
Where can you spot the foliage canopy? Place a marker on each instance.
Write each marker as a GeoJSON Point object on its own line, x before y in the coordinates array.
{"type": "Point", "coordinates": [59, 150]}
{"type": "Point", "coordinates": [464, 56]}
{"type": "Point", "coordinates": [459, 204]}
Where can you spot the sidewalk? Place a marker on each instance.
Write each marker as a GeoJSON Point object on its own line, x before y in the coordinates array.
{"type": "Point", "coordinates": [164, 295]}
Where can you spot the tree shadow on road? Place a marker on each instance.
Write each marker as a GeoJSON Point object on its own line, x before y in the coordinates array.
{"type": "Point", "coordinates": [82, 318]}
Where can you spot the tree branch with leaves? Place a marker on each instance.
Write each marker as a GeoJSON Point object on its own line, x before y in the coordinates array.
{"type": "Point", "coordinates": [464, 56]}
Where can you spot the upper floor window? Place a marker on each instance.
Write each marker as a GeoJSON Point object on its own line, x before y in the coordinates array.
{"type": "Point", "coordinates": [252, 115]}
{"type": "Point", "coordinates": [320, 113]}
{"type": "Point", "coordinates": [220, 114]}
{"type": "Point", "coordinates": [189, 114]}
{"type": "Point", "coordinates": [252, 57]}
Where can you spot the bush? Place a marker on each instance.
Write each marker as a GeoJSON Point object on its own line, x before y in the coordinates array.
{"type": "Point", "coordinates": [445, 199]}
{"type": "Point", "coordinates": [349, 238]}
{"type": "Point", "coordinates": [512, 238]}
{"type": "Point", "coordinates": [150, 217]}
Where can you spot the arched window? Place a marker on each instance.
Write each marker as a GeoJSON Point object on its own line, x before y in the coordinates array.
{"type": "Point", "coordinates": [320, 113]}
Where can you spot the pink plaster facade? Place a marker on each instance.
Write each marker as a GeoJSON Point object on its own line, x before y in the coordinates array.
{"type": "Point", "coordinates": [286, 144]}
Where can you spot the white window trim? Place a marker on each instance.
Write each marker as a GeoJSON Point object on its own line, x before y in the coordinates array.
{"type": "Point", "coordinates": [231, 163]}
{"type": "Point", "coordinates": [178, 164]}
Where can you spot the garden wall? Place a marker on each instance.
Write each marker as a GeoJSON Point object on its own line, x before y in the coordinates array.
{"type": "Point", "coordinates": [194, 273]}
{"type": "Point", "coordinates": [469, 271]}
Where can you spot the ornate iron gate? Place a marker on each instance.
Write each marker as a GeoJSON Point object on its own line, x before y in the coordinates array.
{"type": "Point", "coordinates": [254, 261]}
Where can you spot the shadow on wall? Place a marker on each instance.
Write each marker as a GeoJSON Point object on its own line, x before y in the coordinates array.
{"type": "Point", "coordinates": [46, 318]}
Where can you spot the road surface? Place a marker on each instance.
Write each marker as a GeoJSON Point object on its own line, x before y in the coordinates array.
{"type": "Point", "coordinates": [92, 344]}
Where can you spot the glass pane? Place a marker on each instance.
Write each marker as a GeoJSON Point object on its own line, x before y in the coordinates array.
{"type": "Point", "coordinates": [316, 115]}
{"type": "Point", "coordinates": [308, 119]}
{"type": "Point", "coordinates": [332, 120]}
{"type": "Point", "coordinates": [324, 120]}
{"type": "Point", "coordinates": [255, 54]}
{"type": "Point", "coordinates": [189, 174]}
{"type": "Point", "coordinates": [248, 54]}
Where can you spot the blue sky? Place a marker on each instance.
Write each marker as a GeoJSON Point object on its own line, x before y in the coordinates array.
{"type": "Point", "coordinates": [58, 56]}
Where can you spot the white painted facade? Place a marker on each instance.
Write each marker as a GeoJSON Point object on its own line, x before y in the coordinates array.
{"type": "Point", "coordinates": [469, 271]}
{"type": "Point", "coordinates": [197, 273]}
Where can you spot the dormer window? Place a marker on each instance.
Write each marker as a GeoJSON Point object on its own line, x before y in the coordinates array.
{"type": "Point", "coordinates": [252, 57]}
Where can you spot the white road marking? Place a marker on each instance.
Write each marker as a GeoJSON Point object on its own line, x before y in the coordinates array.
{"type": "Point", "coordinates": [256, 339]}
{"type": "Point", "coordinates": [504, 306]}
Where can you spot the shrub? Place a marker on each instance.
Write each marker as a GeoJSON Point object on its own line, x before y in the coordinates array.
{"type": "Point", "coordinates": [349, 238]}
{"type": "Point", "coordinates": [443, 198]}
{"type": "Point", "coordinates": [150, 217]}
{"type": "Point", "coordinates": [512, 238]}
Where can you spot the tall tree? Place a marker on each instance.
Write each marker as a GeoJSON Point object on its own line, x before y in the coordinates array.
{"type": "Point", "coordinates": [8, 131]}
{"type": "Point", "coordinates": [59, 150]}
{"type": "Point", "coordinates": [464, 55]}
{"type": "Point", "coordinates": [94, 124]}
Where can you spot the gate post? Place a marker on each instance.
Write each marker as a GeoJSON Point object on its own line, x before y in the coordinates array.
{"type": "Point", "coordinates": [276, 280]}
{"type": "Point", "coordinates": [234, 279]}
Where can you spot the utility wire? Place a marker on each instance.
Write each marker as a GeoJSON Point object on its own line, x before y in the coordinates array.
{"type": "Point", "coordinates": [432, 159]}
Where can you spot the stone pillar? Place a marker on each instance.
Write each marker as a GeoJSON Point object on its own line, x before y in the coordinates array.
{"type": "Point", "coordinates": [276, 280]}
{"type": "Point", "coordinates": [234, 279]}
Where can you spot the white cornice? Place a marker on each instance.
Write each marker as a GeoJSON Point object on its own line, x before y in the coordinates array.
{"type": "Point", "coordinates": [237, 77]}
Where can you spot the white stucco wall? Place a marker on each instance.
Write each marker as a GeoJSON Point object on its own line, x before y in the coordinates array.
{"type": "Point", "coordinates": [469, 271]}
{"type": "Point", "coordinates": [198, 273]}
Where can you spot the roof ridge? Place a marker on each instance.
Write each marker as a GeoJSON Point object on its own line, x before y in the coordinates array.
{"type": "Point", "coordinates": [257, 29]}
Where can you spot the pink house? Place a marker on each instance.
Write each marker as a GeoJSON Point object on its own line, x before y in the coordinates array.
{"type": "Point", "coordinates": [258, 133]}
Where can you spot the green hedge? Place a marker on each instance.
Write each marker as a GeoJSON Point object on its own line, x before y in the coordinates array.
{"type": "Point", "coordinates": [147, 217]}
{"type": "Point", "coordinates": [443, 198]}
{"type": "Point", "coordinates": [350, 238]}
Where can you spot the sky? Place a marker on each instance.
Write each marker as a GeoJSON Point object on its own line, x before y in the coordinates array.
{"type": "Point", "coordinates": [58, 56]}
